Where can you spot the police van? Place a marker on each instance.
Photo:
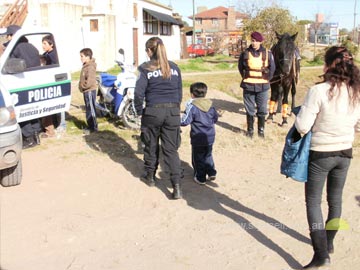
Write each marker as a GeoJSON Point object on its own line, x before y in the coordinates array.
{"type": "Point", "coordinates": [25, 94]}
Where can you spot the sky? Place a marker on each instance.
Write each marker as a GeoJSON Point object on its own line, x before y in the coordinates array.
{"type": "Point", "coordinates": [335, 11]}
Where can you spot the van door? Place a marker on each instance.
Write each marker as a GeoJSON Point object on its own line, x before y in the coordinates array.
{"type": "Point", "coordinates": [39, 90]}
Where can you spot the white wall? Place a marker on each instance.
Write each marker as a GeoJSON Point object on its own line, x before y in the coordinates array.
{"type": "Point", "coordinates": [66, 20]}
{"type": "Point", "coordinates": [172, 43]}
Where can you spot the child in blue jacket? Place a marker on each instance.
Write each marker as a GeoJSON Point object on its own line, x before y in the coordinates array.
{"type": "Point", "coordinates": [202, 116]}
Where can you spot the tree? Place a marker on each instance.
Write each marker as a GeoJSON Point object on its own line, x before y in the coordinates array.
{"type": "Point", "coordinates": [272, 19]}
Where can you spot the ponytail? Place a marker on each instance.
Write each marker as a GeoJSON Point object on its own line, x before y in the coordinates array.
{"type": "Point", "coordinates": [158, 56]}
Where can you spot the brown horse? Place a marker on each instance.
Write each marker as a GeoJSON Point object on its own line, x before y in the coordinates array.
{"type": "Point", "coordinates": [285, 77]}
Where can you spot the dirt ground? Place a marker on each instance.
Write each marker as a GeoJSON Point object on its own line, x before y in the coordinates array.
{"type": "Point", "coordinates": [81, 206]}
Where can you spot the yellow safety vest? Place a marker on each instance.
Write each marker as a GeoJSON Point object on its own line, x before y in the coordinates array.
{"type": "Point", "coordinates": [254, 73]}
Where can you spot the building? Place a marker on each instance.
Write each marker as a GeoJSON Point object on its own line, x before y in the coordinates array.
{"type": "Point", "coordinates": [323, 32]}
{"type": "Point", "coordinates": [105, 26]}
{"type": "Point", "coordinates": [218, 21]}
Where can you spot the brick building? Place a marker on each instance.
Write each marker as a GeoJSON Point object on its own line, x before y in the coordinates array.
{"type": "Point", "coordinates": [218, 21]}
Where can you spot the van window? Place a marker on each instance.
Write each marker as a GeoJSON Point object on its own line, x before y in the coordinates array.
{"type": "Point", "coordinates": [30, 49]}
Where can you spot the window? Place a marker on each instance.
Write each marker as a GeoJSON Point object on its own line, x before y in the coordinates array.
{"type": "Point", "coordinates": [165, 28]}
{"type": "Point", "coordinates": [198, 21]}
{"type": "Point", "coordinates": [150, 24]}
{"type": "Point", "coordinates": [215, 22]}
{"type": "Point", "coordinates": [94, 25]}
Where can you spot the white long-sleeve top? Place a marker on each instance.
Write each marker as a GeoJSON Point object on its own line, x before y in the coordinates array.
{"type": "Point", "coordinates": [332, 122]}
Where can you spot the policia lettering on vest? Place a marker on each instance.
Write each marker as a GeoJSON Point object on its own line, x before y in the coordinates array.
{"type": "Point", "coordinates": [256, 66]}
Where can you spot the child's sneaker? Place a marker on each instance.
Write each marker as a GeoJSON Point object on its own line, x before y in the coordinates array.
{"type": "Point", "coordinates": [198, 181]}
{"type": "Point", "coordinates": [212, 178]}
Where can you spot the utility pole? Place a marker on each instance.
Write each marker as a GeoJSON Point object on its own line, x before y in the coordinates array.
{"type": "Point", "coordinates": [193, 35]}
{"type": "Point", "coordinates": [354, 21]}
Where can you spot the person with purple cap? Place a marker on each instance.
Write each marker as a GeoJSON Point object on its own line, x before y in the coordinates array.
{"type": "Point", "coordinates": [256, 66]}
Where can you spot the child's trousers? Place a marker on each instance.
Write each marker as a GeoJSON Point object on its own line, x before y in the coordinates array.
{"type": "Point", "coordinates": [202, 162]}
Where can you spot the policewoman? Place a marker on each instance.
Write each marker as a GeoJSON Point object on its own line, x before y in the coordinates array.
{"type": "Point", "coordinates": [159, 85]}
{"type": "Point", "coordinates": [256, 66]}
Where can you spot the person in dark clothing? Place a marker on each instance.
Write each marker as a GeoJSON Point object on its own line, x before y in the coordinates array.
{"type": "Point", "coordinates": [256, 66]}
{"type": "Point", "coordinates": [30, 129]}
{"type": "Point", "coordinates": [159, 84]}
{"type": "Point", "coordinates": [49, 48]}
{"type": "Point", "coordinates": [202, 116]}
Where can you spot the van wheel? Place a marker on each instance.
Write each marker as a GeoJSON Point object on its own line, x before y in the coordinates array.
{"type": "Point", "coordinates": [11, 176]}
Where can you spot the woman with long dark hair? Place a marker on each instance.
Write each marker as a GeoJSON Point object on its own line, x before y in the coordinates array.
{"type": "Point", "coordinates": [332, 111]}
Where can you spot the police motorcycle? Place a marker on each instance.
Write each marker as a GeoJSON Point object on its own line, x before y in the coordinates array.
{"type": "Point", "coordinates": [116, 94]}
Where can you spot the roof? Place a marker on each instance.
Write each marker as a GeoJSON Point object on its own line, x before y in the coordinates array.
{"type": "Point", "coordinates": [217, 13]}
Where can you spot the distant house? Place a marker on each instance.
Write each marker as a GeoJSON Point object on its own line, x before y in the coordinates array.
{"type": "Point", "coordinates": [104, 26]}
{"type": "Point", "coordinates": [219, 20]}
{"type": "Point", "coordinates": [323, 32]}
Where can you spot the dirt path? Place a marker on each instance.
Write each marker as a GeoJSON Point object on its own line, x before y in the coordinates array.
{"type": "Point", "coordinates": [82, 206]}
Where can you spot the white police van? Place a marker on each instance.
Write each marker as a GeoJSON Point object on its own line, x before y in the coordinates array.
{"type": "Point", "coordinates": [25, 94]}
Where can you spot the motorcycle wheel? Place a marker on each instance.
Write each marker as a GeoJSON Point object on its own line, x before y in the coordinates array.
{"type": "Point", "coordinates": [129, 117]}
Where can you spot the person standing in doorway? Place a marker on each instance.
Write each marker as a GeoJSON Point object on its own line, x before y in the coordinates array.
{"type": "Point", "coordinates": [159, 84]}
{"type": "Point", "coordinates": [256, 66]}
{"type": "Point", "coordinates": [50, 58]}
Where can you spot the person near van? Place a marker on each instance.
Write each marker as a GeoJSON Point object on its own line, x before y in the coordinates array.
{"type": "Point", "coordinates": [30, 129]}
{"type": "Point", "coordinates": [49, 57]}
{"type": "Point", "coordinates": [331, 110]}
{"type": "Point", "coordinates": [256, 66]}
{"type": "Point", "coordinates": [88, 86]}
{"type": "Point", "coordinates": [159, 84]}
{"type": "Point", "coordinates": [202, 116]}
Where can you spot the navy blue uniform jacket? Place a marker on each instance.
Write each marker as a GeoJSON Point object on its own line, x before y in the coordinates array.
{"type": "Point", "coordinates": [151, 86]}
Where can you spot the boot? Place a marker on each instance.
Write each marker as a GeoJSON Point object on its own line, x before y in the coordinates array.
{"type": "Point", "coordinates": [177, 193]}
{"type": "Point", "coordinates": [250, 125]}
{"type": "Point", "coordinates": [261, 126]}
{"type": "Point", "coordinates": [321, 255]}
{"type": "Point", "coordinates": [148, 178]}
{"type": "Point", "coordinates": [330, 235]}
{"type": "Point", "coordinates": [37, 138]}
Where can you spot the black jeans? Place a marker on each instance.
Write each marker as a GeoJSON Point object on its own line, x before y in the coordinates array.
{"type": "Point", "coordinates": [162, 124]}
{"type": "Point", "coordinates": [90, 111]}
{"type": "Point", "coordinates": [334, 169]}
{"type": "Point", "coordinates": [202, 162]}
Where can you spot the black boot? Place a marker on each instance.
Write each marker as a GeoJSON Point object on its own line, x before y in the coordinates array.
{"type": "Point", "coordinates": [148, 178]}
{"type": "Point", "coordinates": [330, 235]}
{"type": "Point", "coordinates": [250, 125]}
{"type": "Point", "coordinates": [261, 126]}
{"type": "Point", "coordinates": [177, 193]}
{"type": "Point", "coordinates": [321, 255]}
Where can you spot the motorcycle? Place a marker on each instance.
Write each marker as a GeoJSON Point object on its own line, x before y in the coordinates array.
{"type": "Point", "coordinates": [116, 94]}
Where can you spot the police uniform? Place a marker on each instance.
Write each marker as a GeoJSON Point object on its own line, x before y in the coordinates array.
{"type": "Point", "coordinates": [256, 67]}
{"type": "Point", "coordinates": [160, 117]}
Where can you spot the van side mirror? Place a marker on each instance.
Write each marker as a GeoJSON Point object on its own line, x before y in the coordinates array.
{"type": "Point", "coordinates": [14, 65]}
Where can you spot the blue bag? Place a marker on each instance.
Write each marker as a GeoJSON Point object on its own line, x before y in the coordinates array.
{"type": "Point", "coordinates": [295, 155]}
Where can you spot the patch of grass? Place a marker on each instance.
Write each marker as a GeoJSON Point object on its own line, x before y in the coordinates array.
{"type": "Point", "coordinates": [193, 65]}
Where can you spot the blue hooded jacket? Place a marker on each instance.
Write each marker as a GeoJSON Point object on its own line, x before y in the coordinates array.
{"type": "Point", "coordinates": [202, 116]}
